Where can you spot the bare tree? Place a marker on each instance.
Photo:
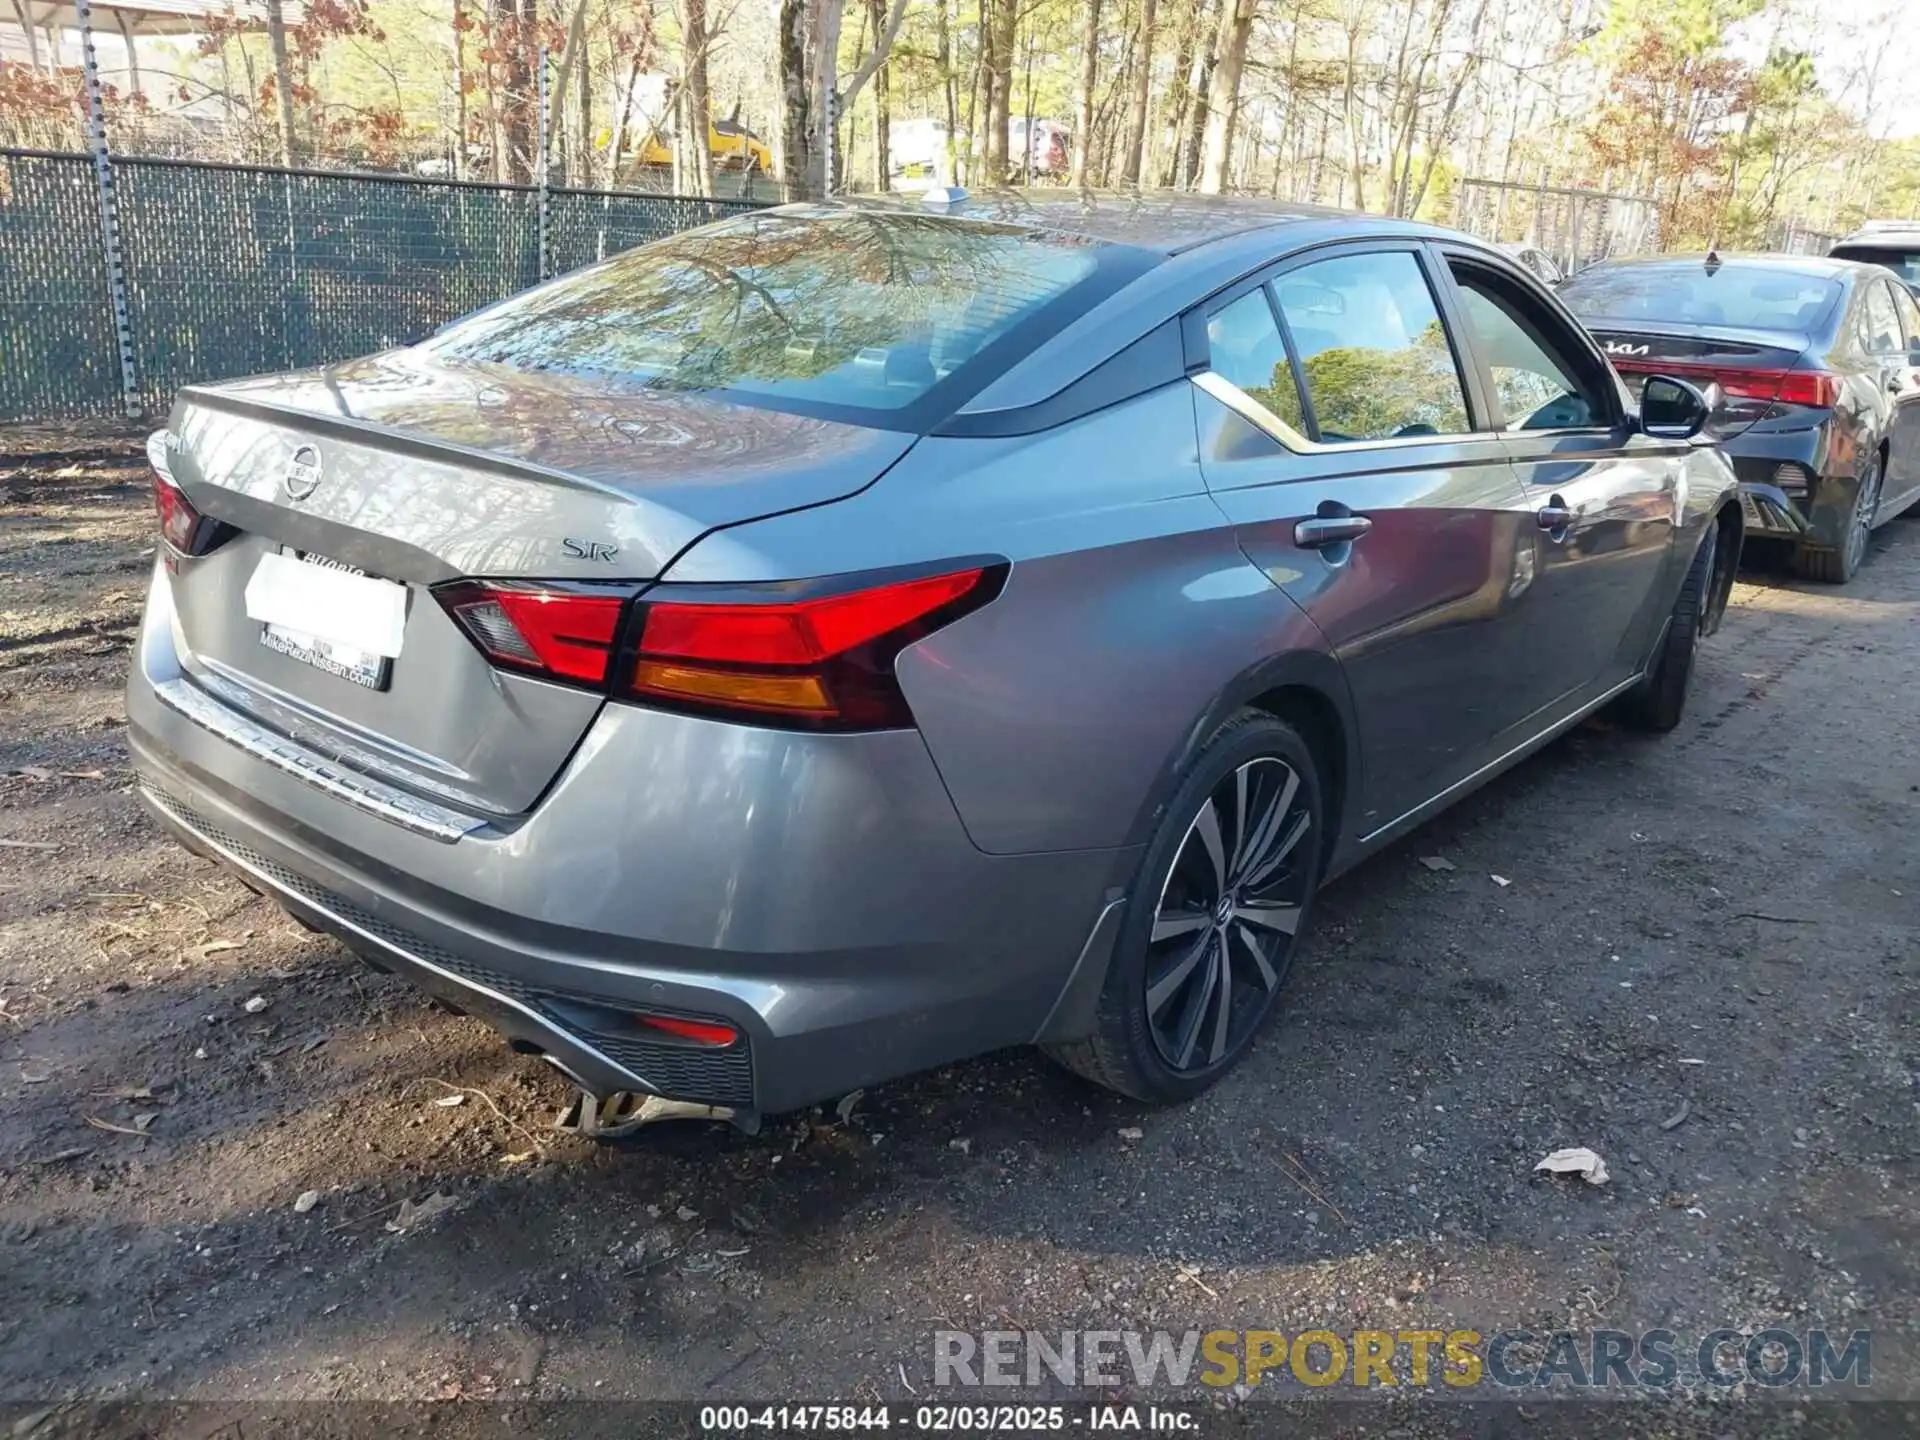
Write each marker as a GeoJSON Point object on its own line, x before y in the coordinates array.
{"type": "Point", "coordinates": [1133, 159]}
{"type": "Point", "coordinates": [1223, 96]}
{"type": "Point", "coordinates": [1089, 75]}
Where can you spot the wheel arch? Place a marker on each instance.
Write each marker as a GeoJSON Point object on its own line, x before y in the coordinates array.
{"type": "Point", "coordinates": [1732, 530]}
{"type": "Point", "coordinates": [1305, 688]}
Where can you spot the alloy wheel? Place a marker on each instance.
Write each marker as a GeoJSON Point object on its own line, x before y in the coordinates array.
{"type": "Point", "coordinates": [1223, 932]}
{"type": "Point", "coordinates": [1865, 506]}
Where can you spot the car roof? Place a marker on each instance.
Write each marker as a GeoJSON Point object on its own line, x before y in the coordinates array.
{"type": "Point", "coordinates": [1756, 260]}
{"type": "Point", "coordinates": [1166, 221]}
{"type": "Point", "coordinates": [1887, 235]}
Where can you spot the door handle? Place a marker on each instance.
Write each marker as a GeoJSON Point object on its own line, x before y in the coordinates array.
{"type": "Point", "coordinates": [1329, 530]}
{"type": "Point", "coordinates": [1554, 515]}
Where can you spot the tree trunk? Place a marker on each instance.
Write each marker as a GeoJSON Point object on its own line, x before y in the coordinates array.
{"type": "Point", "coordinates": [882, 103]}
{"type": "Point", "coordinates": [1223, 97]}
{"type": "Point", "coordinates": [796, 114]}
{"type": "Point", "coordinates": [515, 31]}
{"type": "Point", "coordinates": [1002, 16]}
{"type": "Point", "coordinates": [948, 92]}
{"type": "Point", "coordinates": [1089, 76]}
{"type": "Point", "coordinates": [824, 63]}
{"type": "Point", "coordinates": [459, 94]}
{"type": "Point", "coordinates": [282, 77]}
{"type": "Point", "coordinates": [692, 149]}
{"type": "Point", "coordinates": [1133, 159]}
{"type": "Point", "coordinates": [1199, 82]}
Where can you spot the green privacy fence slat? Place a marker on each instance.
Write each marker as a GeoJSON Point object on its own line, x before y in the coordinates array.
{"type": "Point", "coordinates": [236, 270]}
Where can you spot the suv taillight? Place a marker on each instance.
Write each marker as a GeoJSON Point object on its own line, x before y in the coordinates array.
{"type": "Point", "coordinates": [807, 655]}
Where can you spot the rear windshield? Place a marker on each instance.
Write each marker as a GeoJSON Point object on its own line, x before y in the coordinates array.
{"type": "Point", "coordinates": [841, 313]}
{"type": "Point", "coordinates": [1755, 297]}
{"type": "Point", "coordinates": [1904, 263]}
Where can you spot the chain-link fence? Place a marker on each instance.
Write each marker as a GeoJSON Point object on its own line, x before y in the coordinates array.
{"type": "Point", "coordinates": [234, 270]}
{"type": "Point", "coordinates": [1576, 227]}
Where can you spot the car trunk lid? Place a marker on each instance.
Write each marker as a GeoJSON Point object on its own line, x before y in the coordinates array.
{"type": "Point", "coordinates": [1751, 368]}
{"type": "Point", "coordinates": [395, 475]}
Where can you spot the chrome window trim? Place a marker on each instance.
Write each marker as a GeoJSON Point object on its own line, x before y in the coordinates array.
{"type": "Point", "coordinates": [410, 812]}
{"type": "Point", "coordinates": [1257, 415]}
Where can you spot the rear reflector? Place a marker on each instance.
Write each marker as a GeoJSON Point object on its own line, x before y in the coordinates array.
{"type": "Point", "coordinates": [821, 662]}
{"type": "Point", "coordinates": [564, 633]}
{"type": "Point", "coordinates": [700, 1032]}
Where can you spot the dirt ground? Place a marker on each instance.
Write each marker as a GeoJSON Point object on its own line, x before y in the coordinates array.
{"type": "Point", "coordinates": [1721, 923]}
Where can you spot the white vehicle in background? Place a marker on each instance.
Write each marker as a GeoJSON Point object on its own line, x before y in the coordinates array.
{"type": "Point", "coordinates": [917, 153]}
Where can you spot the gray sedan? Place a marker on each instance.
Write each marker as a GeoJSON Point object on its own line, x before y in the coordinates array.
{"type": "Point", "coordinates": [849, 638]}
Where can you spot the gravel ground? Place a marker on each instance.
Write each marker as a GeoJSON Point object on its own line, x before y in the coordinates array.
{"type": "Point", "coordinates": [1717, 926]}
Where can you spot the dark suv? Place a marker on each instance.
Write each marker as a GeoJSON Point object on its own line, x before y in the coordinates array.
{"type": "Point", "coordinates": [1892, 243]}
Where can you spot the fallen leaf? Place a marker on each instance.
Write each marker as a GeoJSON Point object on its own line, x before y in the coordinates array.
{"type": "Point", "coordinates": [1437, 862]}
{"type": "Point", "coordinates": [34, 1077]}
{"type": "Point", "coordinates": [962, 1144]}
{"type": "Point", "coordinates": [520, 1158]}
{"type": "Point", "coordinates": [1576, 1161]}
{"type": "Point", "coordinates": [847, 1102]}
{"type": "Point", "coordinates": [143, 1122]}
{"type": "Point", "coordinates": [1500, 880]}
{"type": "Point", "coordinates": [214, 947]}
{"type": "Point", "coordinates": [1133, 1132]}
{"type": "Point", "coordinates": [308, 1199]}
{"type": "Point", "coordinates": [413, 1214]}
{"type": "Point", "coordinates": [686, 1214]}
{"type": "Point", "coordinates": [447, 1102]}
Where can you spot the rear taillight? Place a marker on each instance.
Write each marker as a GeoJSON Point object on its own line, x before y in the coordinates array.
{"type": "Point", "coordinates": [184, 528]}
{"type": "Point", "coordinates": [566, 633]}
{"type": "Point", "coordinates": [1815, 388]}
{"type": "Point", "coordinates": [820, 661]}
{"type": "Point", "coordinates": [808, 655]}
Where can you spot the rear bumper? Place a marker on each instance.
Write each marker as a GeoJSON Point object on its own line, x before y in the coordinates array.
{"type": "Point", "coordinates": [816, 892]}
{"type": "Point", "coordinates": [1769, 511]}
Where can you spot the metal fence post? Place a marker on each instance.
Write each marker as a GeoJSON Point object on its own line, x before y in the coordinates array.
{"type": "Point", "coordinates": [109, 211]}
{"type": "Point", "coordinates": [541, 176]}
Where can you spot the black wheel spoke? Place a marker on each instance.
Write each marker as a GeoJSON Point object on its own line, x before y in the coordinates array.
{"type": "Point", "coordinates": [1162, 990]}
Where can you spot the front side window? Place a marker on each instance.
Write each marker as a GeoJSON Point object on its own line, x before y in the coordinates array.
{"type": "Point", "coordinates": [1909, 314]}
{"type": "Point", "coordinates": [1244, 347]}
{"type": "Point", "coordinates": [1532, 377]}
{"type": "Point", "coordinates": [1372, 349]}
{"type": "Point", "coordinates": [860, 313]}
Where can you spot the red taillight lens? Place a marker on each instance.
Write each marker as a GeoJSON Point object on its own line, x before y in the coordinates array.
{"type": "Point", "coordinates": [1784, 387]}
{"type": "Point", "coordinates": [700, 1032]}
{"type": "Point", "coordinates": [179, 521]}
{"type": "Point", "coordinates": [567, 634]}
{"type": "Point", "coordinates": [819, 661]}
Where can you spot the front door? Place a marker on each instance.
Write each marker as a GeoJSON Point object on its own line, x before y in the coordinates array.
{"type": "Point", "coordinates": [1902, 486]}
{"type": "Point", "coordinates": [1605, 498]}
{"type": "Point", "coordinates": [1337, 432]}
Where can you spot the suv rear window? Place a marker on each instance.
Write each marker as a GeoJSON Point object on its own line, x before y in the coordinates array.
{"type": "Point", "coordinates": [845, 314]}
{"type": "Point", "coordinates": [1757, 297]}
{"type": "Point", "coordinates": [1904, 263]}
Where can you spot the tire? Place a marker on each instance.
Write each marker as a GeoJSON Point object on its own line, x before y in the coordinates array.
{"type": "Point", "coordinates": [1163, 1032]}
{"type": "Point", "coordinates": [1837, 565]}
{"type": "Point", "coordinates": [1660, 699]}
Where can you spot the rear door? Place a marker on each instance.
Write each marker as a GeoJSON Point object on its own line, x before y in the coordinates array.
{"type": "Point", "coordinates": [1605, 498]}
{"type": "Point", "coordinates": [1903, 385]}
{"type": "Point", "coordinates": [1342, 438]}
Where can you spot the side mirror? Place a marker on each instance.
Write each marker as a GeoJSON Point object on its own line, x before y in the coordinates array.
{"type": "Point", "coordinates": [1672, 409]}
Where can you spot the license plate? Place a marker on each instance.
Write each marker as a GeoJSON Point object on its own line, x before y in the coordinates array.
{"type": "Point", "coordinates": [331, 616]}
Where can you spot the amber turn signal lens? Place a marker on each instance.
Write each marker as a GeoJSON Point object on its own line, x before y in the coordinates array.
{"type": "Point", "coordinates": [732, 687]}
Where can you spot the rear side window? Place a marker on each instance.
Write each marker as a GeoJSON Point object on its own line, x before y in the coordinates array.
{"type": "Point", "coordinates": [1373, 352]}
{"type": "Point", "coordinates": [1904, 263]}
{"type": "Point", "coordinates": [1759, 297]}
{"type": "Point", "coordinates": [1244, 346]}
{"type": "Point", "coordinates": [1880, 330]}
{"type": "Point", "coordinates": [849, 314]}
